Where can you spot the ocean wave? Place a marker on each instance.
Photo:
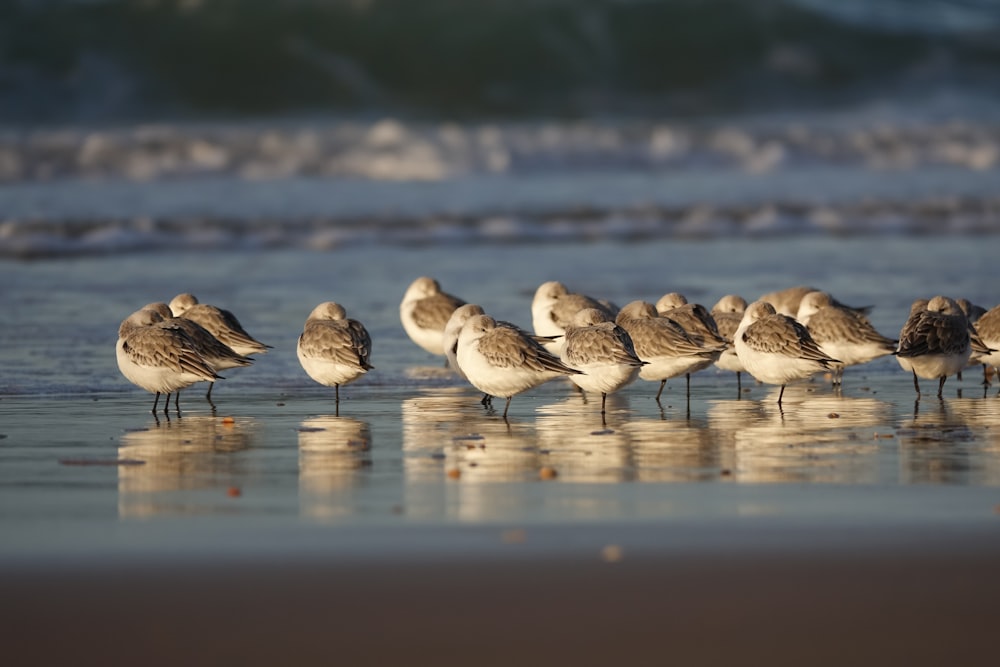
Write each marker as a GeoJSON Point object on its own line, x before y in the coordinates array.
{"type": "Point", "coordinates": [891, 215]}
{"type": "Point", "coordinates": [115, 59]}
{"type": "Point", "coordinates": [394, 150]}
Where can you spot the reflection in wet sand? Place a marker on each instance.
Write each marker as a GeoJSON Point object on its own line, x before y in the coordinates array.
{"type": "Point", "coordinates": [574, 441]}
{"type": "Point", "coordinates": [448, 435]}
{"type": "Point", "coordinates": [812, 437]}
{"type": "Point", "coordinates": [956, 441]}
{"type": "Point", "coordinates": [676, 450]}
{"type": "Point", "coordinates": [333, 454]}
{"type": "Point", "coordinates": [187, 454]}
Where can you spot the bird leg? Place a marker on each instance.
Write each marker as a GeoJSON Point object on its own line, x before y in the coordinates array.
{"type": "Point", "coordinates": [781, 394]}
{"type": "Point", "coordinates": [157, 400]}
{"type": "Point", "coordinates": [506, 408]}
{"type": "Point", "coordinates": [663, 383]}
{"type": "Point", "coordinates": [916, 384]}
{"type": "Point", "coordinates": [941, 385]}
{"type": "Point", "coordinates": [208, 396]}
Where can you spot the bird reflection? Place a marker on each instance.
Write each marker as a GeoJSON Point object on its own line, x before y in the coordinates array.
{"type": "Point", "coordinates": [951, 442]}
{"type": "Point", "coordinates": [183, 458]}
{"type": "Point", "coordinates": [827, 438]}
{"type": "Point", "coordinates": [445, 434]}
{"type": "Point", "coordinates": [582, 445]}
{"type": "Point", "coordinates": [677, 450]}
{"type": "Point", "coordinates": [333, 454]}
{"type": "Point", "coordinates": [430, 420]}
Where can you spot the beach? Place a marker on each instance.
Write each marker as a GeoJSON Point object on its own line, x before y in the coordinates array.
{"type": "Point", "coordinates": [270, 159]}
{"type": "Point", "coordinates": [411, 522]}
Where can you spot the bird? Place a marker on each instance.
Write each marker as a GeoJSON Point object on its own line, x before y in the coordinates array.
{"type": "Point", "coordinates": [504, 361]}
{"type": "Point", "coordinates": [971, 310]}
{"type": "Point", "coordinates": [220, 323]}
{"type": "Point", "coordinates": [776, 349]}
{"type": "Point", "coordinates": [603, 353]}
{"type": "Point", "coordinates": [424, 312]}
{"type": "Point", "coordinates": [842, 333]}
{"type": "Point", "coordinates": [159, 357]}
{"type": "Point", "coordinates": [934, 342]}
{"type": "Point", "coordinates": [332, 348]}
{"type": "Point", "coordinates": [454, 327]}
{"type": "Point", "coordinates": [727, 313]}
{"type": "Point", "coordinates": [972, 314]}
{"type": "Point", "coordinates": [553, 308]}
{"type": "Point", "coordinates": [218, 355]}
{"type": "Point", "coordinates": [697, 322]}
{"type": "Point", "coordinates": [786, 301]}
{"type": "Point", "coordinates": [668, 350]}
{"type": "Point", "coordinates": [988, 328]}
{"type": "Point", "coordinates": [915, 307]}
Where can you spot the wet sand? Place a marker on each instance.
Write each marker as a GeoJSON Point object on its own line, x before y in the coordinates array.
{"type": "Point", "coordinates": [919, 600]}
{"type": "Point", "coordinates": [847, 527]}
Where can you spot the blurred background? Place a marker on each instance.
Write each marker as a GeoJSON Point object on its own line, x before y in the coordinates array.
{"type": "Point", "coordinates": [634, 115]}
{"type": "Point", "coordinates": [103, 60]}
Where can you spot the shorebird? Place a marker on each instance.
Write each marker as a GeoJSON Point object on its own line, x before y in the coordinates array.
{"type": "Point", "coordinates": [786, 301]}
{"type": "Point", "coordinates": [332, 348]}
{"type": "Point", "coordinates": [934, 341]}
{"type": "Point", "coordinates": [220, 323]}
{"type": "Point", "coordinates": [776, 349]}
{"type": "Point", "coordinates": [972, 314]}
{"type": "Point", "coordinates": [159, 357]}
{"type": "Point", "coordinates": [662, 343]}
{"type": "Point", "coordinates": [971, 310]}
{"type": "Point", "coordinates": [727, 313]}
{"type": "Point", "coordinates": [603, 353]}
{"type": "Point", "coordinates": [842, 333]}
{"type": "Point", "coordinates": [697, 322]}
{"type": "Point", "coordinates": [553, 308]}
{"type": "Point", "coordinates": [217, 354]}
{"type": "Point", "coordinates": [988, 328]}
{"type": "Point", "coordinates": [454, 327]}
{"type": "Point", "coordinates": [424, 312]}
{"type": "Point", "coordinates": [504, 361]}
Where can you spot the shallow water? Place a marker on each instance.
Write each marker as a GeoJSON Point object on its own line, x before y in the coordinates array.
{"type": "Point", "coordinates": [85, 469]}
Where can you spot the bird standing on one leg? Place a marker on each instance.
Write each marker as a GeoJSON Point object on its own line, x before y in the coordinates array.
{"type": "Point", "coordinates": [333, 349]}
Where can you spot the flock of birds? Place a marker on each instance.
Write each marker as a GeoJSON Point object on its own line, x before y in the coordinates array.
{"type": "Point", "coordinates": [782, 337]}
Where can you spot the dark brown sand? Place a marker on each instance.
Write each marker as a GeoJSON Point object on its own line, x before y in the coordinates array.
{"type": "Point", "coordinates": [880, 606]}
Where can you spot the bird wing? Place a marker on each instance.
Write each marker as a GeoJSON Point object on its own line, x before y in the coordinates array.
{"type": "Point", "coordinates": [509, 348]}
{"type": "Point", "coordinates": [168, 346]}
{"type": "Point", "coordinates": [780, 334]}
{"type": "Point", "coordinates": [929, 332]}
{"type": "Point", "coordinates": [433, 312]}
{"type": "Point", "coordinates": [334, 341]}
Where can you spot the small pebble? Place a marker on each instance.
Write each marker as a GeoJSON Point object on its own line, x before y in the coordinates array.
{"type": "Point", "coordinates": [612, 553]}
{"type": "Point", "coordinates": [833, 415]}
{"type": "Point", "coordinates": [454, 473]}
{"type": "Point", "coordinates": [514, 536]}
{"type": "Point", "coordinates": [548, 472]}
{"type": "Point", "coordinates": [234, 492]}
{"type": "Point", "coordinates": [228, 421]}
{"type": "Point", "coordinates": [726, 472]}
